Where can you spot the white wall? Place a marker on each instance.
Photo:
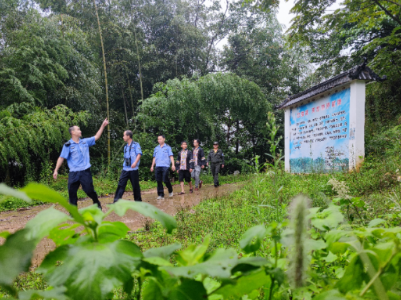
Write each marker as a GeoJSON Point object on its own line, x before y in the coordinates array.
{"type": "Point", "coordinates": [287, 132]}
{"type": "Point", "coordinates": [357, 124]}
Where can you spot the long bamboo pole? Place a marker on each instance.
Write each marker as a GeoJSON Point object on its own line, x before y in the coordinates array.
{"type": "Point", "coordinates": [107, 88]}
{"type": "Point", "coordinates": [140, 72]}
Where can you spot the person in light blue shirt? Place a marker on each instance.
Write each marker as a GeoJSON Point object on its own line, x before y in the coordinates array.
{"type": "Point", "coordinates": [76, 152]}
{"type": "Point", "coordinates": [132, 157]}
{"type": "Point", "coordinates": [162, 158]}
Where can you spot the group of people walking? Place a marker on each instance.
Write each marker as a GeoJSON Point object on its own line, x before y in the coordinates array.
{"type": "Point", "coordinates": [188, 165]}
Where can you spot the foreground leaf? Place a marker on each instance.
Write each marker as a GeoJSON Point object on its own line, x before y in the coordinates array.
{"type": "Point", "coordinates": [92, 271]}
{"type": "Point", "coordinates": [146, 209]}
{"type": "Point", "coordinates": [245, 285]}
{"type": "Point", "coordinates": [15, 256]}
{"type": "Point", "coordinates": [45, 194]}
{"type": "Point", "coordinates": [330, 295]}
{"type": "Point", "coordinates": [44, 222]}
{"type": "Point", "coordinates": [252, 238]}
{"type": "Point", "coordinates": [163, 252]}
{"type": "Point", "coordinates": [54, 294]}
{"type": "Point", "coordinates": [219, 265]}
{"type": "Point", "coordinates": [7, 191]}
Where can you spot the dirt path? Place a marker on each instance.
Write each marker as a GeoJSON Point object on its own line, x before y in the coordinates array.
{"type": "Point", "coordinates": [13, 220]}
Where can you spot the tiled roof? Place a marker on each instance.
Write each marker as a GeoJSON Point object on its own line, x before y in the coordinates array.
{"type": "Point", "coordinates": [361, 72]}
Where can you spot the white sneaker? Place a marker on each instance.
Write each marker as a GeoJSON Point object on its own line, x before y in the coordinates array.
{"type": "Point", "coordinates": [171, 194]}
{"type": "Point", "coordinates": [160, 198]}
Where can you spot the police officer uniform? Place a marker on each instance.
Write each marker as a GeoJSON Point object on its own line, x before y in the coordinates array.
{"type": "Point", "coordinates": [215, 159]}
{"type": "Point", "coordinates": [162, 161]}
{"type": "Point", "coordinates": [130, 153]}
{"type": "Point", "coordinates": [78, 160]}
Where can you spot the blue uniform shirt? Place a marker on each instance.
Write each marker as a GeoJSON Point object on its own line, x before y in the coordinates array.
{"type": "Point", "coordinates": [162, 155]}
{"type": "Point", "coordinates": [135, 150]}
{"type": "Point", "coordinates": [77, 154]}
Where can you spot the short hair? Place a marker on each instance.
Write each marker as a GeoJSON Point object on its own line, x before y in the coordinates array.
{"type": "Point", "coordinates": [71, 129]}
{"type": "Point", "coordinates": [197, 140]}
{"type": "Point", "coordinates": [184, 142]}
{"type": "Point", "coordinates": [129, 133]}
{"type": "Point", "coordinates": [162, 135]}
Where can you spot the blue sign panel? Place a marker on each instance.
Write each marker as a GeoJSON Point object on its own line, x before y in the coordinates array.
{"type": "Point", "coordinates": [320, 134]}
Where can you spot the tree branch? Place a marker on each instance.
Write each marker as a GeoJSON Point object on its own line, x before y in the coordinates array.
{"type": "Point", "coordinates": [387, 12]}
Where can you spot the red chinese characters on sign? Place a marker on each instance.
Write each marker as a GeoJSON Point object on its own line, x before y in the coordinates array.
{"type": "Point", "coordinates": [320, 107]}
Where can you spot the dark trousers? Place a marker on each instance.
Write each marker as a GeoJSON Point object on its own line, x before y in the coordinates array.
{"type": "Point", "coordinates": [215, 168]}
{"type": "Point", "coordinates": [161, 174]}
{"type": "Point", "coordinates": [133, 176]}
{"type": "Point", "coordinates": [84, 178]}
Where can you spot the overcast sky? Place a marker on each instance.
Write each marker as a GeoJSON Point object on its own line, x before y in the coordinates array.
{"type": "Point", "coordinates": [283, 15]}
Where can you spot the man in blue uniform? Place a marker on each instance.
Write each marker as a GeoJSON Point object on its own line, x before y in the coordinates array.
{"type": "Point", "coordinates": [132, 156]}
{"type": "Point", "coordinates": [76, 152]}
{"type": "Point", "coordinates": [162, 157]}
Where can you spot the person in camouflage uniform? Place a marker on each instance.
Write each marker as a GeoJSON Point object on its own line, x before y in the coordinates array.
{"type": "Point", "coordinates": [216, 160]}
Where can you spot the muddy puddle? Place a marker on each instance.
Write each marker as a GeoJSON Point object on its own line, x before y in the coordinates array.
{"type": "Point", "coordinates": [13, 220]}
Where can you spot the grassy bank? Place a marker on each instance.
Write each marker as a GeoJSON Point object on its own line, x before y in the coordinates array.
{"type": "Point", "coordinates": [264, 198]}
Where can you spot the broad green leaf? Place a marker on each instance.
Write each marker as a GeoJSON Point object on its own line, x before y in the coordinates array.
{"type": "Point", "coordinates": [315, 244]}
{"type": "Point", "coordinates": [65, 234]}
{"type": "Point", "coordinates": [92, 215]}
{"type": "Point", "coordinates": [92, 270]}
{"type": "Point", "coordinates": [193, 254]}
{"type": "Point", "coordinates": [8, 191]}
{"type": "Point", "coordinates": [210, 284]}
{"type": "Point", "coordinates": [338, 247]}
{"type": "Point", "coordinates": [330, 258]}
{"type": "Point", "coordinates": [376, 222]}
{"type": "Point", "coordinates": [252, 238]}
{"type": "Point", "coordinates": [330, 295]}
{"type": "Point", "coordinates": [244, 285]}
{"type": "Point", "coordinates": [146, 209]}
{"type": "Point", "coordinates": [152, 290]}
{"type": "Point", "coordinates": [219, 265]}
{"type": "Point", "coordinates": [111, 231]}
{"type": "Point", "coordinates": [188, 290]}
{"type": "Point", "coordinates": [45, 194]}
{"type": "Point", "coordinates": [163, 252]}
{"type": "Point", "coordinates": [158, 261]}
{"type": "Point", "coordinates": [334, 235]}
{"type": "Point", "coordinates": [52, 294]}
{"type": "Point", "coordinates": [15, 256]}
{"type": "Point", "coordinates": [384, 252]}
{"type": "Point", "coordinates": [41, 225]}
{"type": "Point", "coordinates": [328, 218]}
{"type": "Point", "coordinates": [358, 202]}
{"type": "Point", "coordinates": [246, 264]}
{"type": "Point", "coordinates": [353, 276]}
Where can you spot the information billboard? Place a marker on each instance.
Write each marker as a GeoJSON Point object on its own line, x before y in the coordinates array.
{"type": "Point", "coordinates": [320, 134]}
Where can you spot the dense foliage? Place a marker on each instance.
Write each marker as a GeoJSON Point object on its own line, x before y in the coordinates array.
{"type": "Point", "coordinates": [50, 55]}
{"type": "Point", "coordinates": [280, 258]}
